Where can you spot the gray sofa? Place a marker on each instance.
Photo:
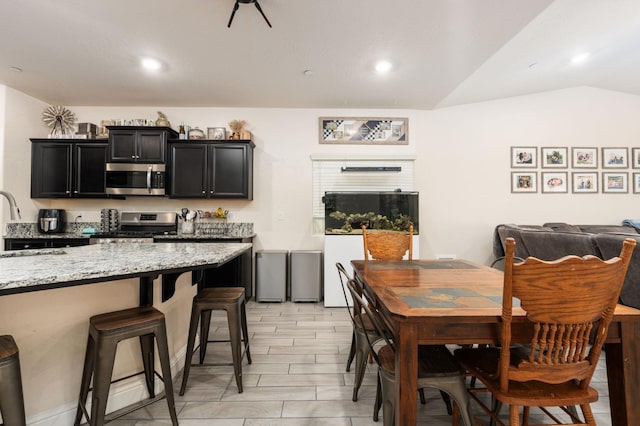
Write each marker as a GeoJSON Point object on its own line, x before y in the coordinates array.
{"type": "Point", "coordinates": [552, 241]}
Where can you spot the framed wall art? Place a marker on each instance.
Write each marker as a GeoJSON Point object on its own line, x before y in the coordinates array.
{"type": "Point", "coordinates": [554, 157]}
{"type": "Point", "coordinates": [635, 158]}
{"type": "Point", "coordinates": [524, 156]}
{"type": "Point", "coordinates": [636, 183]}
{"type": "Point", "coordinates": [584, 158]}
{"type": "Point", "coordinates": [364, 131]}
{"type": "Point", "coordinates": [554, 182]}
{"type": "Point", "coordinates": [584, 182]}
{"type": "Point", "coordinates": [615, 182]}
{"type": "Point", "coordinates": [524, 182]}
{"type": "Point", "coordinates": [615, 158]}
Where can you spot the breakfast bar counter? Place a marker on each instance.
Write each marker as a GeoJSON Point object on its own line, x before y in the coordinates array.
{"type": "Point", "coordinates": [34, 270]}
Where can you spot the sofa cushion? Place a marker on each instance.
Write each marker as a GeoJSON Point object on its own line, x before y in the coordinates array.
{"type": "Point", "coordinates": [596, 229]}
{"type": "Point", "coordinates": [610, 245]}
{"type": "Point", "coordinates": [552, 245]}
{"type": "Point", "coordinates": [504, 231]}
{"type": "Point", "coordinates": [561, 226]}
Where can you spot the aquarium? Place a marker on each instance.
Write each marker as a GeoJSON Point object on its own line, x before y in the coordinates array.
{"type": "Point", "coordinates": [346, 212]}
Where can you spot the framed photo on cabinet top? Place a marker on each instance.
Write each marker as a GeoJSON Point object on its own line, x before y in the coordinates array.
{"type": "Point", "coordinates": [584, 158]}
{"type": "Point", "coordinates": [554, 157]}
{"type": "Point", "coordinates": [524, 182]}
{"type": "Point", "coordinates": [554, 182]}
{"type": "Point", "coordinates": [524, 156]}
{"type": "Point", "coordinates": [615, 182]}
{"type": "Point", "coordinates": [584, 182]}
{"type": "Point", "coordinates": [216, 133]}
{"type": "Point", "coordinates": [615, 158]}
{"type": "Point", "coordinates": [635, 158]}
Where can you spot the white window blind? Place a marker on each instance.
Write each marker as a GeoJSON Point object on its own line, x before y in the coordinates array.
{"type": "Point", "coordinates": [328, 176]}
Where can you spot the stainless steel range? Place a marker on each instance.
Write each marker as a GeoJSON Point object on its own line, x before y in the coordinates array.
{"type": "Point", "coordinates": [137, 227]}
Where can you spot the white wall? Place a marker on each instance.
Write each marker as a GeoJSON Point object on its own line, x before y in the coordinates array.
{"type": "Point", "coordinates": [22, 120]}
{"type": "Point", "coordinates": [463, 163]}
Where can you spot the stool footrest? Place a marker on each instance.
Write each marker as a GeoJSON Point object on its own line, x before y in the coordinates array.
{"type": "Point", "coordinates": [133, 407]}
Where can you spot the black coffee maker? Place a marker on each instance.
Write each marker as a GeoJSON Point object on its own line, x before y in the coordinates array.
{"type": "Point", "coordinates": [51, 221]}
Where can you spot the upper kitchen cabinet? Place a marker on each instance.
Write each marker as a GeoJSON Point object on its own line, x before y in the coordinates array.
{"type": "Point", "coordinates": [132, 144]}
{"type": "Point", "coordinates": [208, 169]}
{"type": "Point", "coordinates": [65, 168]}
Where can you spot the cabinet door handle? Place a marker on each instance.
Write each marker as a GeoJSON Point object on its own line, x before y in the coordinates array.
{"type": "Point", "coordinates": [133, 157]}
{"type": "Point", "coordinates": [204, 192]}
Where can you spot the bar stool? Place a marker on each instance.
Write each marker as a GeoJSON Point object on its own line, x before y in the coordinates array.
{"type": "Point", "coordinates": [105, 332]}
{"type": "Point", "coordinates": [11, 399]}
{"type": "Point", "coordinates": [232, 300]}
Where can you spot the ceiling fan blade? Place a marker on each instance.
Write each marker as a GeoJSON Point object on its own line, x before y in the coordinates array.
{"type": "Point", "coordinates": [262, 13]}
{"type": "Point", "coordinates": [233, 13]}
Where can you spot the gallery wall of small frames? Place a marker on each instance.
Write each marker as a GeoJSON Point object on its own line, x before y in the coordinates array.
{"type": "Point", "coordinates": [579, 170]}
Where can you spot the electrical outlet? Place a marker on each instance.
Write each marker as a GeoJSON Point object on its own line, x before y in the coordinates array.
{"type": "Point", "coordinates": [446, 256]}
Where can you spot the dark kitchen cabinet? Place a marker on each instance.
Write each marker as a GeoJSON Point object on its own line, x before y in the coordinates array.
{"type": "Point", "coordinates": [65, 168]}
{"type": "Point", "coordinates": [39, 243]}
{"type": "Point", "coordinates": [207, 169]}
{"type": "Point", "coordinates": [132, 144]}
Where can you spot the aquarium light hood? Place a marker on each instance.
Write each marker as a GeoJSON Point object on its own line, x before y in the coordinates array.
{"type": "Point", "coordinates": [371, 169]}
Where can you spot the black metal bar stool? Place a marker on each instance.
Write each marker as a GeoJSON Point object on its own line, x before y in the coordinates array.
{"type": "Point", "coordinates": [105, 332]}
{"type": "Point", "coordinates": [11, 399]}
{"type": "Point", "coordinates": [232, 300]}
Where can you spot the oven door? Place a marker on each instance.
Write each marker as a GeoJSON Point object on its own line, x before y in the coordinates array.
{"type": "Point", "coordinates": [135, 179]}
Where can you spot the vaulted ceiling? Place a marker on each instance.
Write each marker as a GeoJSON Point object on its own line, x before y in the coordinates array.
{"type": "Point", "coordinates": [444, 52]}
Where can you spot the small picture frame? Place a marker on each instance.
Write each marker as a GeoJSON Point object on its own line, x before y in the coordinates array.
{"type": "Point", "coordinates": [636, 183]}
{"type": "Point", "coordinates": [524, 182]}
{"type": "Point", "coordinates": [555, 157]}
{"type": "Point", "coordinates": [615, 158]}
{"type": "Point", "coordinates": [615, 182]}
{"type": "Point", "coordinates": [635, 158]}
{"type": "Point", "coordinates": [216, 133]}
{"type": "Point", "coordinates": [584, 182]}
{"type": "Point", "coordinates": [554, 182]}
{"type": "Point", "coordinates": [584, 158]}
{"type": "Point", "coordinates": [524, 156]}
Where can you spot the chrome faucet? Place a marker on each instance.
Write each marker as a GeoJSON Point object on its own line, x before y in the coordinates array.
{"type": "Point", "coordinates": [15, 211]}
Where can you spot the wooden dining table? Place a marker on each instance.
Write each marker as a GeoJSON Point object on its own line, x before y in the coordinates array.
{"type": "Point", "coordinates": [460, 302]}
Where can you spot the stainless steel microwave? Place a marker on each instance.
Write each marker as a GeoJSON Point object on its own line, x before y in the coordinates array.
{"type": "Point", "coordinates": [135, 179]}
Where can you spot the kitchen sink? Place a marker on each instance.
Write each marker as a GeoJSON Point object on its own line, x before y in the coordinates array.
{"type": "Point", "coordinates": [37, 252]}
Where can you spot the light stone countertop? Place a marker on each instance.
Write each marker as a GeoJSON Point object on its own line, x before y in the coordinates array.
{"type": "Point", "coordinates": [30, 270]}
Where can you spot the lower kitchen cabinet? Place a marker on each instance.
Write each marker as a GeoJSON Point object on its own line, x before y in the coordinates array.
{"type": "Point", "coordinates": [237, 272]}
{"type": "Point", "coordinates": [39, 243]}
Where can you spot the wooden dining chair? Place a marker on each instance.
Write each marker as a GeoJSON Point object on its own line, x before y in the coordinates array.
{"type": "Point", "coordinates": [363, 332]}
{"type": "Point", "coordinates": [387, 245]}
{"type": "Point", "coordinates": [437, 368]}
{"type": "Point", "coordinates": [567, 302]}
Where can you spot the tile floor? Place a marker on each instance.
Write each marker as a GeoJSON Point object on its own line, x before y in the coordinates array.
{"type": "Point", "coordinates": [298, 377]}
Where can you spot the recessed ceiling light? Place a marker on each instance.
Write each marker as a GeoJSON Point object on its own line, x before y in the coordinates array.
{"type": "Point", "coordinates": [580, 58]}
{"type": "Point", "coordinates": [15, 69]}
{"type": "Point", "coordinates": [308, 73]}
{"type": "Point", "coordinates": [382, 67]}
{"type": "Point", "coordinates": [151, 64]}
